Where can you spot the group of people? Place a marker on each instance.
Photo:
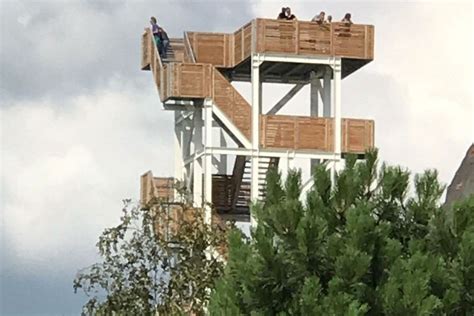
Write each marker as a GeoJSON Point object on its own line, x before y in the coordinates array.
{"type": "Point", "coordinates": [161, 37]}
{"type": "Point", "coordinates": [321, 18]}
{"type": "Point", "coordinates": [286, 14]}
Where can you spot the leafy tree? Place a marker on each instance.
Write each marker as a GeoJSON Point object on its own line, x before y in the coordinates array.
{"type": "Point", "coordinates": [157, 260]}
{"type": "Point", "coordinates": [364, 245]}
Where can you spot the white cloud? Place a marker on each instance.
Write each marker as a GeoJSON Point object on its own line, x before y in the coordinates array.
{"type": "Point", "coordinates": [67, 166]}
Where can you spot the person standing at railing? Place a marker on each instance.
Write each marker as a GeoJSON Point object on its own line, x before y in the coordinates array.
{"type": "Point", "coordinates": [347, 19]}
{"type": "Point", "coordinates": [282, 14]}
{"type": "Point", "coordinates": [155, 29]}
{"type": "Point", "coordinates": [290, 16]}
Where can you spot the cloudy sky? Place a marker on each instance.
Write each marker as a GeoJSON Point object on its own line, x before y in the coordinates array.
{"type": "Point", "coordinates": [80, 122]}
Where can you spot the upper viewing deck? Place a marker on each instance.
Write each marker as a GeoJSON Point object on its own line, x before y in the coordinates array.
{"type": "Point", "coordinates": [353, 43]}
{"type": "Point", "coordinates": [302, 38]}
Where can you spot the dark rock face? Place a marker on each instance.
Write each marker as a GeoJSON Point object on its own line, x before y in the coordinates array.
{"type": "Point", "coordinates": [462, 185]}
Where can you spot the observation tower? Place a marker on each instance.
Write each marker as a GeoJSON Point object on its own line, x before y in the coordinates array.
{"type": "Point", "coordinates": [224, 144]}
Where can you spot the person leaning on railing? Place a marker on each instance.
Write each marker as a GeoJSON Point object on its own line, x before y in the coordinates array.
{"type": "Point", "coordinates": [319, 18]}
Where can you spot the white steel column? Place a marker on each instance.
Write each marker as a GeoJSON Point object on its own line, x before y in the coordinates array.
{"type": "Point", "coordinates": [222, 167]}
{"type": "Point", "coordinates": [315, 89]}
{"type": "Point", "coordinates": [336, 112]}
{"type": "Point", "coordinates": [207, 161]}
{"type": "Point", "coordinates": [197, 183]}
{"type": "Point", "coordinates": [178, 149]}
{"type": "Point", "coordinates": [326, 93]}
{"type": "Point", "coordinates": [256, 111]}
{"type": "Point", "coordinates": [197, 168]}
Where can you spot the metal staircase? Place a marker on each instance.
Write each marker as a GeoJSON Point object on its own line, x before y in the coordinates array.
{"type": "Point", "coordinates": [242, 197]}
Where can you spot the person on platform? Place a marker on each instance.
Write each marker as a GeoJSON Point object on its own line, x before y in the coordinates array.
{"type": "Point", "coordinates": [282, 14]}
{"type": "Point", "coordinates": [329, 19]}
{"type": "Point", "coordinates": [347, 19]}
{"type": "Point", "coordinates": [290, 16]}
{"type": "Point", "coordinates": [165, 41]}
{"type": "Point", "coordinates": [155, 29]}
{"type": "Point", "coordinates": [319, 18]}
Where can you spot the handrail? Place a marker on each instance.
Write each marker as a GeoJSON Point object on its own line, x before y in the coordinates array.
{"type": "Point", "coordinates": [188, 45]}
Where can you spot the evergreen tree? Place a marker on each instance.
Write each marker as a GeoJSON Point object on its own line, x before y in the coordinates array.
{"type": "Point", "coordinates": [361, 247]}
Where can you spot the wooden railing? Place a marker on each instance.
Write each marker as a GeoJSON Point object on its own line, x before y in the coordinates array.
{"type": "Point", "coordinates": [315, 133]}
{"type": "Point", "coordinates": [285, 37]}
{"type": "Point", "coordinates": [155, 188]}
{"type": "Point", "coordinates": [310, 38]}
{"type": "Point", "coordinates": [187, 81]}
{"type": "Point", "coordinates": [212, 48]}
{"type": "Point", "coordinates": [242, 44]}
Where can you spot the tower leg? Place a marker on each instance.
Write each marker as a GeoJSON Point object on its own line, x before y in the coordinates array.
{"type": "Point", "coordinates": [336, 112]}
{"type": "Point", "coordinates": [256, 111]}
{"type": "Point", "coordinates": [207, 161]}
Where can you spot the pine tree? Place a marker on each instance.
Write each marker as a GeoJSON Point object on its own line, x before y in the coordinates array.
{"type": "Point", "coordinates": [362, 246]}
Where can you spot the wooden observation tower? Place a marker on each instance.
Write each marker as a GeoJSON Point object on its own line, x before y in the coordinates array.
{"type": "Point", "coordinates": [224, 144]}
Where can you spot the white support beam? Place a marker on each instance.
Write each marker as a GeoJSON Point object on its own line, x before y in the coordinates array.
{"type": "Point", "coordinates": [208, 168]}
{"type": "Point", "coordinates": [336, 98]}
{"type": "Point", "coordinates": [197, 155]}
{"type": "Point", "coordinates": [178, 150]}
{"type": "Point", "coordinates": [305, 154]}
{"type": "Point", "coordinates": [197, 166]}
{"type": "Point", "coordinates": [315, 90]}
{"type": "Point", "coordinates": [256, 111]}
{"type": "Point", "coordinates": [326, 92]}
{"type": "Point", "coordinates": [336, 113]}
{"type": "Point", "coordinates": [318, 60]}
{"type": "Point", "coordinates": [197, 182]}
{"type": "Point", "coordinates": [287, 97]}
{"type": "Point", "coordinates": [222, 166]}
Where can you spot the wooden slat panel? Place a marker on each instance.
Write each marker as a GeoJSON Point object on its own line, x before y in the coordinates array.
{"type": "Point", "coordinates": [145, 64]}
{"type": "Point", "coordinates": [314, 39]}
{"type": "Point", "coordinates": [357, 135]}
{"type": "Point", "coordinates": [247, 41]}
{"type": "Point", "coordinates": [211, 48]}
{"type": "Point", "coordinates": [349, 40]}
{"type": "Point", "coordinates": [315, 133]}
{"type": "Point", "coordinates": [188, 80]}
{"type": "Point", "coordinates": [229, 101]}
{"type": "Point", "coordinates": [155, 188]}
{"type": "Point", "coordinates": [309, 38]}
{"type": "Point", "coordinates": [237, 39]}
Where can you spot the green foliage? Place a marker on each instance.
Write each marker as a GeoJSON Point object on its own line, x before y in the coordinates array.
{"type": "Point", "coordinates": [144, 271]}
{"type": "Point", "coordinates": [364, 246]}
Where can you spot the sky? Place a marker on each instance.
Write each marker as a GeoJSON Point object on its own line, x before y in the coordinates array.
{"type": "Point", "coordinates": [80, 122]}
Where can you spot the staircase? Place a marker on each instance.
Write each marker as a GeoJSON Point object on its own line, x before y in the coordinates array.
{"type": "Point", "coordinates": [175, 52]}
{"type": "Point", "coordinates": [242, 197]}
{"type": "Point", "coordinates": [237, 111]}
